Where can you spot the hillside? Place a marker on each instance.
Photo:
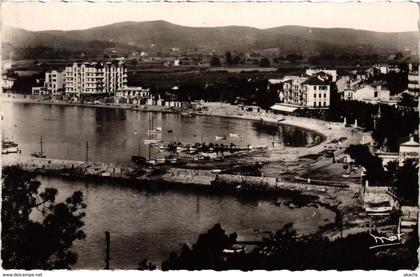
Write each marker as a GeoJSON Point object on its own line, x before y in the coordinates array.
{"type": "Point", "coordinates": [156, 35]}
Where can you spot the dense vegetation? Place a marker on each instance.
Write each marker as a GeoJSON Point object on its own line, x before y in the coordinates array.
{"type": "Point", "coordinates": [285, 250]}
{"type": "Point", "coordinates": [375, 172]}
{"type": "Point", "coordinates": [388, 124]}
{"type": "Point", "coordinates": [37, 232]}
{"type": "Point", "coordinates": [406, 182]}
{"type": "Point", "coordinates": [403, 178]}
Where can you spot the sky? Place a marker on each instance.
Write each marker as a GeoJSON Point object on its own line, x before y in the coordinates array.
{"type": "Point", "coordinates": [383, 17]}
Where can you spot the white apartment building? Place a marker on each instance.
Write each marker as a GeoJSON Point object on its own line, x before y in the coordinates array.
{"type": "Point", "coordinates": [95, 78]}
{"type": "Point", "coordinates": [54, 81]}
{"type": "Point", "coordinates": [292, 92]}
{"type": "Point", "coordinates": [413, 82]}
{"type": "Point", "coordinates": [312, 92]}
{"type": "Point", "coordinates": [318, 92]}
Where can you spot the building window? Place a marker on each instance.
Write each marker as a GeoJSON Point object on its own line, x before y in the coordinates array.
{"type": "Point", "coordinates": [320, 95]}
{"type": "Point", "coordinates": [314, 104]}
{"type": "Point", "coordinates": [325, 95]}
{"type": "Point", "coordinates": [320, 104]}
{"type": "Point", "coordinates": [314, 95]}
{"type": "Point", "coordinates": [325, 104]}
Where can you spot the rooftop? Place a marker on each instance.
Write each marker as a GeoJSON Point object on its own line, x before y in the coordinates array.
{"type": "Point", "coordinates": [316, 80]}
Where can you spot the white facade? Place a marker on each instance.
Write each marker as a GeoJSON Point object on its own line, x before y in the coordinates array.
{"type": "Point", "coordinates": [409, 150]}
{"type": "Point", "coordinates": [313, 92]}
{"type": "Point", "coordinates": [54, 81]}
{"type": "Point", "coordinates": [413, 83]}
{"type": "Point", "coordinates": [371, 94]}
{"type": "Point", "coordinates": [39, 91]}
{"type": "Point", "coordinates": [131, 95]}
{"type": "Point", "coordinates": [7, 83]}
{"type": "Point", "coordinates": [318, 95]}
{"type": "Point", "coordinates": [94, 78]}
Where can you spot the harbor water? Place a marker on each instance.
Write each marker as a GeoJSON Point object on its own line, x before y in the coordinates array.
{"type": "Point", "coordinates": [152, 224]}
{"type": "Point", "coordinates": [113, 135]}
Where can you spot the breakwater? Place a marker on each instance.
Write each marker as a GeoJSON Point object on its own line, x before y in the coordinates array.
{"type": "Point", "coordinates": [191, 177]}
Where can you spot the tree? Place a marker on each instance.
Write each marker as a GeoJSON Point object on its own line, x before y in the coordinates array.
{"type": "Point", "coordinates": [406, 182]}
{"type": "Point", "coordinates": [294, 57]}
{"type": "Point", "coordinates": [284, 249]}
{"type": "Point", "coordinates": [362, 156]}
{"type": "Point", "coordinates": [237, 60]}
{"type": "Point", "coordinates": [144, 265]}
{"type": "Point", "coordinates": [399, 56]}
{"type": "Point", "coordinates": [206, 253]}
{"type": "Point", "coordinates": [392, 168]}
{"type": "Point", "coordinates": [215, 61]}
{"type": "Point", "coordinates": [407, 101]}
{"type": "Point", "coordinates": [228, 56]}
{"type": "Point", "coordinates": [264, 62]}
{"type": "Point", "coordinates": [43, 242]}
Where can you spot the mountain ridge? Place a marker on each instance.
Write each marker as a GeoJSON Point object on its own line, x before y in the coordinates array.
{"type": "Point", "coordinates": [160, 34]}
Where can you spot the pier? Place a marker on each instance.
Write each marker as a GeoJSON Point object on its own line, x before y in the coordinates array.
{"type": "Point", "coordinates": [196, 177]}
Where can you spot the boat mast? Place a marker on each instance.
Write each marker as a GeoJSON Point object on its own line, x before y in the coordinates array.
{"type": "Point", "coordinates": [148, 133]}
{"type": "Point", "coordinates": [139, 143]}
{"type": "Point", "coordinates": [41, 144]}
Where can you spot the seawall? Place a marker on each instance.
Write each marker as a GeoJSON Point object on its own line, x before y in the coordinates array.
{"type": "Point", "coordinates": [194, 177]}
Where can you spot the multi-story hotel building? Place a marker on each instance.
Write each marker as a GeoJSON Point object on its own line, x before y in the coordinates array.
{"type": "Point", "coordinates": [313, 92]}
{"type": "Point", "coordinates": [95, 78]}
{"type": "Point", "coordinates": [413, 82]}
{"type": "Point", "coordinates": [54, 81]}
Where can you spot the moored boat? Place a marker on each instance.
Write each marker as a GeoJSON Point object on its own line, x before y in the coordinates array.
{"type": "Point", "coordinates": [152, 141]}
{"type": "Point", "coordinates": [39, 154]}
{"type": "Point", "coordinates": [8, 150]}
{"type": "Point", "coordinates": [138, 160]}
{"type": "Point", "coordinates": [220, 138]}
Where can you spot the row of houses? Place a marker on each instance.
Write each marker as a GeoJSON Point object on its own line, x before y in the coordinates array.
{"type": "Point", "coordinates": [317, 87]}
{"type": "Point", "coordinates": [374, 93]}
{"type": "Point", "coordinates": [355, 86]}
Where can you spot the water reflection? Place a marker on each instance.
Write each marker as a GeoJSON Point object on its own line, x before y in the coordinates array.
{"type": "Point", "coordinates": [114, 135]}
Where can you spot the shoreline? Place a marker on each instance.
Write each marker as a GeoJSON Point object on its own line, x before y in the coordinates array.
{"type": "Point", "coordinates": [327, 131]}
{"type": "Point", "coordinates": [316, 126]}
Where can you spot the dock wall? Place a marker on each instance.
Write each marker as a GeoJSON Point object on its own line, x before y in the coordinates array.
{"type": "Point", "coordinates": [204, 178]}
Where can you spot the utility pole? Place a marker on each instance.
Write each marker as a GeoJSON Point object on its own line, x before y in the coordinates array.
{"type": "Point", "coordinates": [87, 151]}
{"type": "Point", "coordinates": [107, 250]}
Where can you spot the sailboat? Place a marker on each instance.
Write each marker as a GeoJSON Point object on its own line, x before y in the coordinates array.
{"type": "Point", "coordinates": [152, 131]}
{"type": "Point", "coordinates": [138, 159]}
{"type": "Point", "coordinates": [151, 141]}
{"type": "Point", "coordinates": [40, 154]}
